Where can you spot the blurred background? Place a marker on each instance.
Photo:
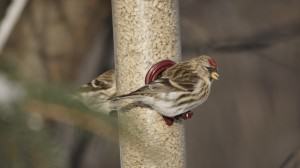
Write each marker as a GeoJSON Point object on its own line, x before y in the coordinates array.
{"type": "Point", "coordinates": [252, 118]}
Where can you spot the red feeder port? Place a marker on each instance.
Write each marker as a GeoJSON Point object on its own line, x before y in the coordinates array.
{"type": "Point", "coordinates": [157, 69]}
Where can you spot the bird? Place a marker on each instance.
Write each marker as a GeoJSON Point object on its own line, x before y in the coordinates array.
{"type": "Point", "coordinates": [179, 89]}
{"type": "Point", "coordinates": [96, 93]}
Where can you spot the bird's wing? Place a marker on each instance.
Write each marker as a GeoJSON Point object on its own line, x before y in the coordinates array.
{"type": "Point", "coordinates": [178, 78]}
{"type": "Point", "coordinates": [161, 85]}
{"type": "Point", "coordinates": [182, 76]}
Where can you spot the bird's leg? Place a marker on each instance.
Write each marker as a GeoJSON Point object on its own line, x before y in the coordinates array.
{"type": "Point", "coordinates": [169, 120]}
{"type": "Point", "coordinates": [186, 115]}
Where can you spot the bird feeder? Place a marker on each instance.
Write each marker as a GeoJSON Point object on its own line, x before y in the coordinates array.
{"type": "Point", "coordinates": [145, 33]}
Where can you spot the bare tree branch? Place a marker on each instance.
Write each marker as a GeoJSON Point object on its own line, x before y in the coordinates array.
{"type": "Point", "coordinates": [9, 21]}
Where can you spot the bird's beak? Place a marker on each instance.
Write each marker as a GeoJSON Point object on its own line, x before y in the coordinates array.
{"type": "Point", "coordinates": [214, 75]}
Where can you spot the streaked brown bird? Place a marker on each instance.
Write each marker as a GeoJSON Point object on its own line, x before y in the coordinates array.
{"type": "Point", "coordinates": [180, 88]}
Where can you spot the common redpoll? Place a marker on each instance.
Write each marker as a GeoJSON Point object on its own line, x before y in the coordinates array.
{"type": "Point", "coordinates": [180, 88]}
{"type": "Point", "coordinates": [96, 93]}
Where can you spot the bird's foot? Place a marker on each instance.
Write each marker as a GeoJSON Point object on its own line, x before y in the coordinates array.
{"type": "Point", "coordinates": [169, 120]}
{"type": "Point", "coordinates": [186, 115]}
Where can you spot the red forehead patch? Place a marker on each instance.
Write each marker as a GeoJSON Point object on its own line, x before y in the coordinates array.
{"type": "Point", "coordinates": [212, 62]}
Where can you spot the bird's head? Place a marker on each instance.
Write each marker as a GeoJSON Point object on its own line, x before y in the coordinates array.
{"type": "Point", "coordinates": [208, 67]}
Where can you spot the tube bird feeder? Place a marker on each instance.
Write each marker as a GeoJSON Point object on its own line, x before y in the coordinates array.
{"type": "Point", "coordinates": [146, 32]}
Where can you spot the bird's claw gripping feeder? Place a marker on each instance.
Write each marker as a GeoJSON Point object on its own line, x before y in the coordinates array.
{"type": "Point", "coordinates": [155, 72]}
